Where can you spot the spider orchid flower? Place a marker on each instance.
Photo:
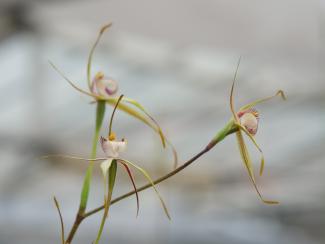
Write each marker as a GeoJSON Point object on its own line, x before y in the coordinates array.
{"type": "Point", "coordinates": [105, 89]}
{"type": "Point", "coordinates": [246, 119]}
{"type": "Point", "coordinates": [112, 148]}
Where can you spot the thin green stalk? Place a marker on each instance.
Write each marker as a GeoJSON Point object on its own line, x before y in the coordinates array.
{"type": "Point", "coordinates": [100, 112]}
{"type": "Point", "coordinates": [229, 128]}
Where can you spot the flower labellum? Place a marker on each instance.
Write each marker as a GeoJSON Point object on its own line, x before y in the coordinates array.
{"type": "Point", "coordinates": [104, 86]}
{"type": "Point", "coordinates": [111, 147]}
{"type": "Point", "coordinates": [249, 119]}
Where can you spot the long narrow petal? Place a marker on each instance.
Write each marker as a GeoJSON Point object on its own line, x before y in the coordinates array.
{"type": "Point", "coordinates": [72, 157]}
{"type": "Point", "coordinates": [72, 83]}
{"type": "Point", "coordinates": [256, 145]}
{"type": "Point", "coordinates": [262, 100]}
{"type": "Point", "coordinates": [232, 108]}
{"type": "Point", "coordinates": [139, 106]}
{"type": "Point", "coordinates": [245, 155]}
{"type": "Point", "coordinates": [131, 111]}
{"type": "Point", "coordinates": [164, 140]}
{"type": "Point", "coordinates": [133, 183]}
{"type": "Point", "coordinates": [127, 109]}
{"type": "Point", "coordinates": [247, 161]}
{"type": "Point", "coordinates": [61, 219]}
{"type": "Point", "coordinates": [145, 173]}
{"type": "Point", "coordinates": [91, 53]}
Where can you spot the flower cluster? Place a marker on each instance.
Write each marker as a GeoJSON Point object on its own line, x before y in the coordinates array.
{"type": "Point", "coordinates": [104, 90]}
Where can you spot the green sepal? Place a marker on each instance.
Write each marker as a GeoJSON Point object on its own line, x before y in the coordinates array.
{"type": "Point", "coordinates": [112, 176]}
{"type": "Point", "coordinates": [107, 199]}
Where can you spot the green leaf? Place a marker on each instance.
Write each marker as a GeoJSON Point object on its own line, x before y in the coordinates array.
{"type": "Point", "coordinates": [100, 112]}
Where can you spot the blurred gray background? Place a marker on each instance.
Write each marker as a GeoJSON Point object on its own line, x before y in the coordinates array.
{"type": "Point", "coordinates": [177, 58]}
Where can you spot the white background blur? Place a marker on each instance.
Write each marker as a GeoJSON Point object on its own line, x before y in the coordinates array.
{"type": "Point", "coordinates": [177, 58]}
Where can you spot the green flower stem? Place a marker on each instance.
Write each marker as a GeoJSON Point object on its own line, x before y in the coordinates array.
{"type": "Point", "coordinates": [229, 128]}
{"type": "Point", "coordinates": [100, 112]}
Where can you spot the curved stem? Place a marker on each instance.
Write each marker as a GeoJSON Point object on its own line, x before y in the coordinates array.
{"type": "Point", "coordinates": [157, 181]}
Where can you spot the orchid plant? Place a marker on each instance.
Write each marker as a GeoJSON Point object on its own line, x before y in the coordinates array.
{"type": "Point", "coordinates": [104, 90]}
{"type": "Point", "coordinates": [112, 148]}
